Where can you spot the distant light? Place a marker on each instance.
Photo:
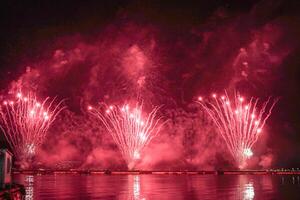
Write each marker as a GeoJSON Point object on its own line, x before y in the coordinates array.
{"type": "Point", "coordinates": [143, 137]}
{"type": "Point", "coordinates": [200, 98]}
{"type": "Point", "coordinates": [214, 95]}
{"type": "Point", "coordinates": [259, 130]}
{"type": "Point", "coordinates": [136, 155]}
{"type": "Point", "coordinates": [248, 152]}
{"type": "Point", "coordinates": [89, 107]}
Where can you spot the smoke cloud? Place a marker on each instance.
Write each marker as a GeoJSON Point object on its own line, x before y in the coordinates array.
{"type": "Point", "coordinates": [131, 59]}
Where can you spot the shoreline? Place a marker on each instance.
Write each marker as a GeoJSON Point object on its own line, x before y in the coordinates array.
{"type": "Point", "coordinates": [141, 172]}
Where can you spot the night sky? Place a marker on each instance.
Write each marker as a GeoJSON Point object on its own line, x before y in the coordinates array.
{"type": "Point", "coordinates": [183, 48]}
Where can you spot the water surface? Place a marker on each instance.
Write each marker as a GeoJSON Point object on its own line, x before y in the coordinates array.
{"type": "Point", "coordinates": [145, 187]}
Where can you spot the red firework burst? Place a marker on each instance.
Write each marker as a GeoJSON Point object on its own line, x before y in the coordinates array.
{"type": "Point", "coordinates": [129, 128]}
{"type": "Point", "coordinates": [25, 122]}
{"type": "Point", "coordinates": [240, 123]}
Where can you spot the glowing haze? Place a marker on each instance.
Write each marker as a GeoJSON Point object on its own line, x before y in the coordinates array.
{"type": "Point", "coordinates": [130, 128]}
{"type": "Point", "coordinates": [166, 56]}
{"type": "Point", "coordinates": [25, 121]}
{"type": "Point", "coordinates": [240, 122]}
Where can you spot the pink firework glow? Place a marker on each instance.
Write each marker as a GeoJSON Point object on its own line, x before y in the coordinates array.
{"type": "Point", "coordinates": [239, 122]}
{"type": "Point", "coordinates": [129, 128]}
{"type": "Point", "coordinates": [25, 122]}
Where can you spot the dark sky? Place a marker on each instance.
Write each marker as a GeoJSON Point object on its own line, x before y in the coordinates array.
{"type": "Point", "coordinates": [27, 23]}
{"type": "Point", "coordinates": [29, 28]}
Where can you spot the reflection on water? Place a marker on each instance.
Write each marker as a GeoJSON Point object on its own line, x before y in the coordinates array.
{"type": "Point", "coordinates": [29, 180]}
{"type": "Point", "coordinates": [134, 188]}
{"type": "Point", "coordinates": [246, 188]}
{"type": "Point", "coordinates": [249, 191]}
{"type": "Point", "coordinates": [145, 187]}
{"type": "Point", "coordinates": [294, 180]}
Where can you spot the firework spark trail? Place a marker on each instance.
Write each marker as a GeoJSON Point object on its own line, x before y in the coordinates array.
{"type": "Point", "coordinates": [25, 122]}
{"type": "Point", "coordinates": [130, 130]}
{"type": "Point", "coordinates": [239, 123]}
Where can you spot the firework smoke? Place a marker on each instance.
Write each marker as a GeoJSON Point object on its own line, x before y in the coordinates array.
{"type": "Point", "coordinates": [130, 130]}
{"type": "Point", "coordinates": [25, 122]}
{"type": "Point", "coordinates": [240, 123]}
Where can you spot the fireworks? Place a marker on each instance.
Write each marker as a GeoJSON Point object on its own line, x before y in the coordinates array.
{"type": "Point", "coordinates": [129, 128]}
{"type": "Point", "coordinates": [240, 123]}
{"type": "Point", "coordinates": [25, 122]}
